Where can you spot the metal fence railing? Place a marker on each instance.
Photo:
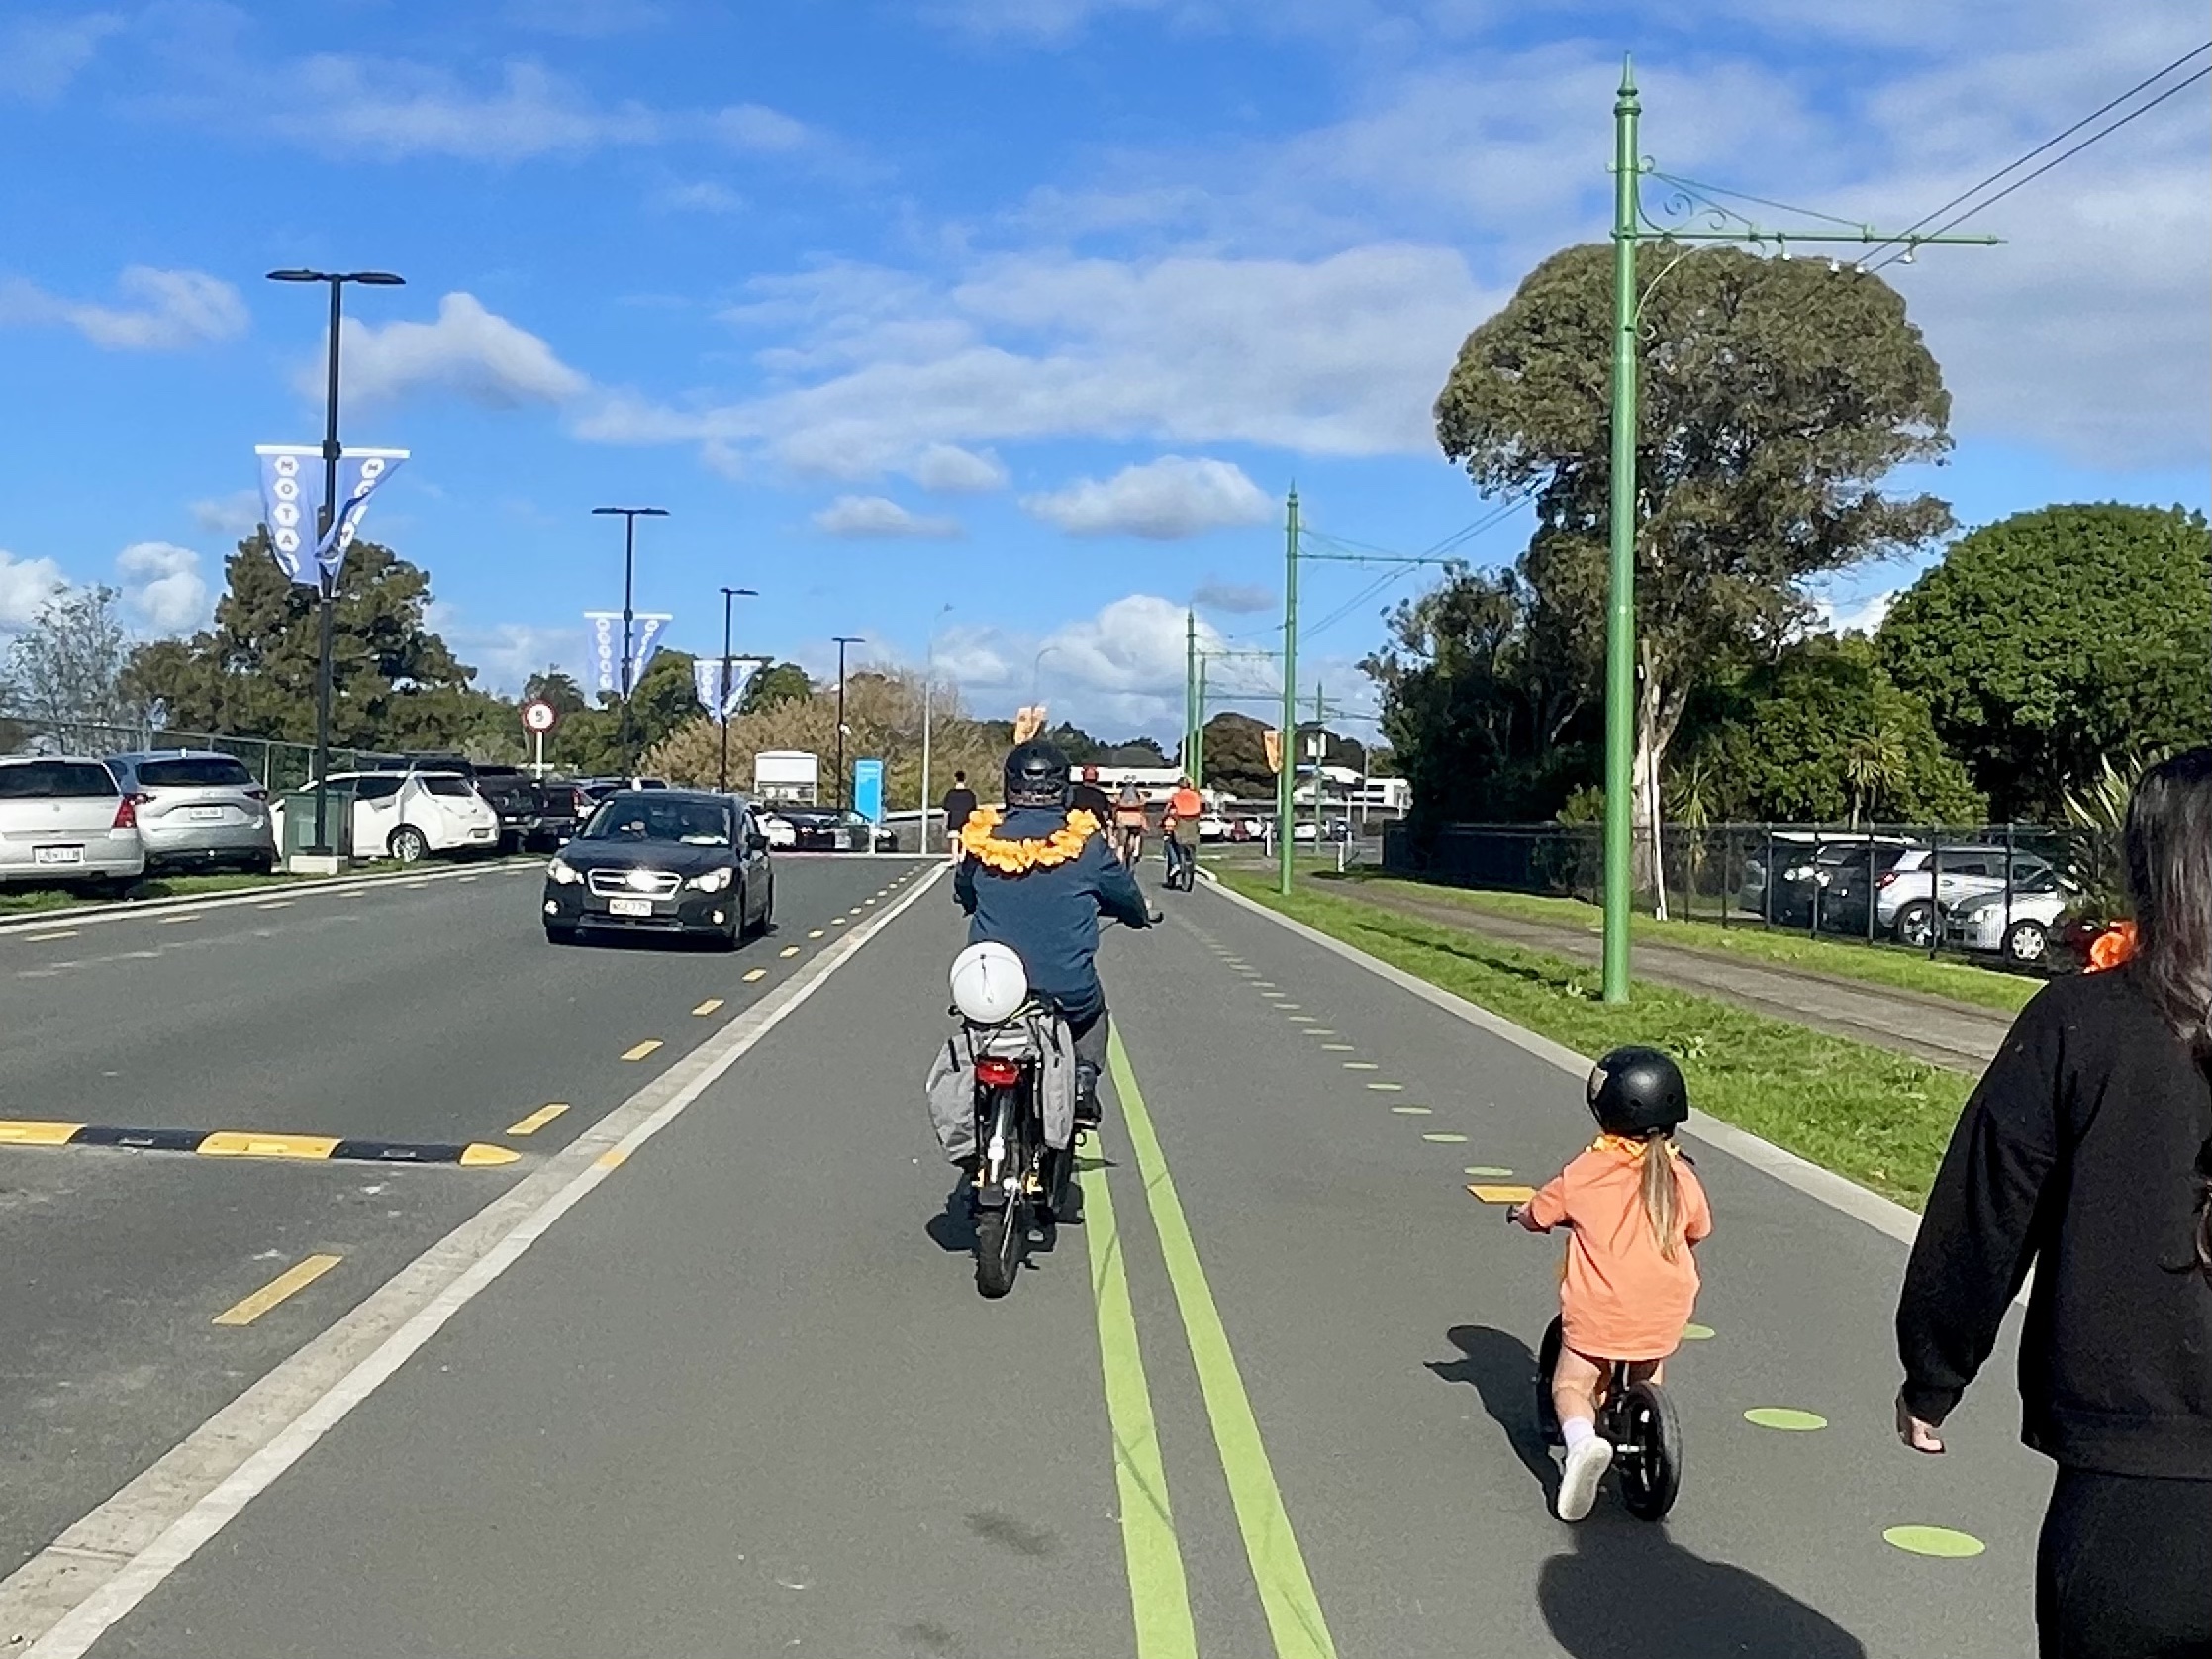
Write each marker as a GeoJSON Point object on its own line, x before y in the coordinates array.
{"type": "Point", "coordinates": [1985, 889]}
{"type": "Point", "coordinates": [278, 765]}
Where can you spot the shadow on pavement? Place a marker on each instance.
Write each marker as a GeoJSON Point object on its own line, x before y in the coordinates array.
{"type": "Point", "coordinates": [1630, 1592]}
{"type": "Point", "coordinates": [1502, 1370]}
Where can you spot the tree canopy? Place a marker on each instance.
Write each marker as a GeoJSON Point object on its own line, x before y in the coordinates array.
{"type": "Point", "coordinates": [779, 682]}
{"type": "Point", "coordinates": [2052, 639]}
{"type": "Point", "coordinates": [1774, 398]}
{"type": "Point", "coordinates": [1235, 757]}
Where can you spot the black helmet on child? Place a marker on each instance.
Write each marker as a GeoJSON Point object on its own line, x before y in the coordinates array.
{"type": "Point", "coordinates": [1637, 1092]}
{"type": "Point", "coordinates": [1036, 775]}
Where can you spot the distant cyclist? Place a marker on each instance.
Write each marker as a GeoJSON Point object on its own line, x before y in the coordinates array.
{"type": "Point", "coordinates": [1129, 824]}
{"type": "Point", "coordinates": [1178, 834]}
{"type": "Point", "coordinates": [1088, 797]}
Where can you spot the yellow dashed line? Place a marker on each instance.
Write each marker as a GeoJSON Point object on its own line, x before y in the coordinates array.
{"type": "Point", "coordinates": [788, 951]}
{"type": "Point", "coordinates": [708, 1006]}
{"type": "Point", "coordinates": [1337, 1048]}
{"type": "Point", "coordinates": [1302, 1019]}
{"type": "Point", "coordinates": [540, 1119]}
{"type": "Point", "coordinates": [49, 938]}
{"type": "Point", "coordinates": [29, 1132]}
{"type": "Point", "coordinates": [815, 934]}
{"type": "Point", "coordinates": [836, 921]}
{"type": "Point", "coordinates": [289, 1283]}
{"type": "Point", "coordinates": [756, 974]}
{"type": "Point", "coordinates": [1361, 1065]}
{"type": "Point", "coordinates": [173, 921]}
{"type": "Point", "coordinates": [642, 1049]}
{"type": "Point", "coordinates": [1387, 1088]}
{"type": "Point", "coordinates": [275, 904]}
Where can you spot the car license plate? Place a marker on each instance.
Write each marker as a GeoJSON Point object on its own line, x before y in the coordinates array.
{"type": "Point", "coordinates": [205, 815]}
{"type": "Point", "coordinates": [57, 855]}
{"type": "Point", "coordinates": [629, 907]}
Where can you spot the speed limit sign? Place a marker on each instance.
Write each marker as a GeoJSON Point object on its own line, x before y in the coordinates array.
{"type": "Point", "coordinates": [539, 716]}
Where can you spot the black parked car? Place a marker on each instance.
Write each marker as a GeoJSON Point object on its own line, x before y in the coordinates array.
{"type": "Point", "coordinates": [674, 862]}
{"type": "Point", "coordinates": [834, 829]}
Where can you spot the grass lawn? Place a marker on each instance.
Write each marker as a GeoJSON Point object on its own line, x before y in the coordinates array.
{"type": "Point", "coordinates": [1879, 1119]}
{"type": "Point", "coordinates": [1890, 965]}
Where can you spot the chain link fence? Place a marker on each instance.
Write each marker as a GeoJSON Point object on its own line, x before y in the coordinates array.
{"type": "Point", "coordinates": [277, 765]}
{"type": "Point", "coordinates": [1998, 891]}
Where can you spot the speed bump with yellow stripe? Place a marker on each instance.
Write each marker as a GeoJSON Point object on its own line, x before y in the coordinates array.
{"type": "Point", "coordinates": [250, 1144]}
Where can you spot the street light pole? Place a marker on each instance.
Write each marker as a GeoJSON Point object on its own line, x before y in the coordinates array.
{"type": "Point", "coordinates": [722, 704]}
{"type": "Point", "coordinates": [1285, 749]}
{"type": "Point", "coordinates": [1190, 687]}
{"type": "Point", "coordinates": [325, 583]}
{"type": "Point", "coordinates": [843, 640]}
{"type": "Point", "coordinates": [629, 516]}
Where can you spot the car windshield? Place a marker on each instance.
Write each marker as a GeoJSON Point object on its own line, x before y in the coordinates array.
{"type": "Point", "coordinates": [48, 779]}
{"type": "Point", "coordinates": [201, 771]}
{"type": "Point", "coordinates": [636, 818]}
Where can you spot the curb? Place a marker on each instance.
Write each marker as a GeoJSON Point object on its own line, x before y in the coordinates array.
{"type": "Point", "coordinates": [250, 1144]}
{"type": "Point", "coordinates": [1884, 1216]}
{"type": "Point", "coordinates": [39, 920]}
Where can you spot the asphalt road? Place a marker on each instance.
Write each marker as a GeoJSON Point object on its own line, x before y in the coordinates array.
{"type": "Point", "coordinates": [425, 1009]}
{"type": "Point", "coordinates": [739, 1396]}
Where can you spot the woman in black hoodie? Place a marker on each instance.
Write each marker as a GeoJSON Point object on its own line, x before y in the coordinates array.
{"type": "Point", "coordinates": [2086, 1152]}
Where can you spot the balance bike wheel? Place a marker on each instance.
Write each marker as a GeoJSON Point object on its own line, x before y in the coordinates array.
{"type": "Point", "coordinates": [1547, 1361]}
{"type": "Point", "coordinates": [1652, 1474]}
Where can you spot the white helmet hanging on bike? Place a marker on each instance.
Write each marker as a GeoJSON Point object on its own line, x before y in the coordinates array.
{"type": "Point", "coordinates": [989, 983]}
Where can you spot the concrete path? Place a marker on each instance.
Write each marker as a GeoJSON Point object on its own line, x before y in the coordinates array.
{"type": "Point", "coordinates": [739, 1396]}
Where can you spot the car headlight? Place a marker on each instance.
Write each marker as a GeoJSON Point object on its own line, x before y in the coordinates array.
{"type": "Point", "coordinates": [713, 881]}
{"type": "Point", "coordinates": [562, 873]}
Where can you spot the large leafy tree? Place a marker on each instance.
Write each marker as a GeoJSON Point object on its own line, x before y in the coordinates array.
{"type": "Point", "coordinates": [1774, 396]}
{"type": "Point", "coordinates": [2052, 638]}
{"type": "Point", "coordinates": [1235, 757]}
{"type": "Point", "coordinates": [66, 670]}
{"type": "Point", "coordinates": [1824, 735]}
{"type": "Point", "coordinates": [779, 682]}
{"type": "Point", "coordinates": [396, 685]}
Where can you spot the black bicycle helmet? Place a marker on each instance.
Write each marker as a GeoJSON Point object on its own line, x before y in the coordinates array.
{"type": "Point", "coordinates": [1036, 775]}
{"type": "Point", "coordinates": [1636, 1092]}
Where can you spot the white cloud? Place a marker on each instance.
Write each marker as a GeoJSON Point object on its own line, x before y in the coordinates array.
{"type": "Point", "coordinates": [237, 514]}
{"type": "Point", "coordinates": [390, 111]}
{"type": "Point", "coordinates": [701, 196]}
{"type": "Point", "coordinates": [506, 654]}
{"type": "Point", "coordinates": [162, 586]}
{"type": "Point", "coordinates": [1166, 500]}
{"type": "Point", "coordinates": [757, 129]}
{"type": "Point", "coordinates": [948, 469]}
{"type": "Point", "coordinates": [875, 517]}
{"type": "Point", "coordinates": [469, 350]}
{"type": "Point", "coordinates": [39, 58]}
{"type": "Point", "coordinates": [1860, 613]}
{"type": "Point", "coordinates": [1335, 355]}
{"type": "Point", "coordinates": [25, 587]}
{"type": "Point", "coordinates": [170, 310]}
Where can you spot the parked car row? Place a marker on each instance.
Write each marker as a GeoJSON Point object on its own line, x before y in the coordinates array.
{"type": "Point", "coordinates": [103, 824]}
{"type": "Point", "coordinates": [1887, 888]}
{"type": "Point", "coordinates": [797, 829]}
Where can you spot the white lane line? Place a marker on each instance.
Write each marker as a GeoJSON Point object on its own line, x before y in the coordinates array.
{"type": "Point", "coordinates": [80, 1587]}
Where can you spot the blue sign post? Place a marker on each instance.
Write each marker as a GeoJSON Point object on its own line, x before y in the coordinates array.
{"type": "Point", "coordinates": [867, 794]}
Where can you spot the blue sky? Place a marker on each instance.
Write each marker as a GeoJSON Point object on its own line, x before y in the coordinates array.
{"type": "Point", "coordinates": [1029, 307]}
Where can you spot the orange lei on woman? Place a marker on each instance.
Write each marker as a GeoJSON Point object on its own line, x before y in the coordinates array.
{"type": "Point", "coordinates": [1015, 858]}
{"type": "Point", "coordinates": [1632, 1151]}
{"type": "Point", "coordinates": [2113, 947]}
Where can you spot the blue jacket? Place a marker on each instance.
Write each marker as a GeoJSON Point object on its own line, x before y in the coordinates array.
{"type": "Point", "coordinates": [1049, 918]}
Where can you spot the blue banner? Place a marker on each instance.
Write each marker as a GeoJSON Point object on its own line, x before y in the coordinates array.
{"type": "Point", "coordinates": [867, 790]}
{"type": "Point", "coordinates": [606, 645]}
{"type": "Point", "coordinates": [719, 696]}
{"type": "Point", "coordinates": [646, 636]}
{"type": "Point", "coordinates": [292, 503]}
{"type": "Point", "coordinates": [359, 471]}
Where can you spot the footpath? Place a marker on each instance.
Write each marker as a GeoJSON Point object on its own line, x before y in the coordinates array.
{"type": "Point", "coordinates": [1958, 1035]}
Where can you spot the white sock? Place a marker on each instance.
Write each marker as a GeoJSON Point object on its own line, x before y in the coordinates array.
{"type": "Point", "coordinates": [1574, 1430]}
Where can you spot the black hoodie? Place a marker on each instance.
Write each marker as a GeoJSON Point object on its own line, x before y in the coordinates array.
{"type": "Point", "coordinates": [2075, 1155]}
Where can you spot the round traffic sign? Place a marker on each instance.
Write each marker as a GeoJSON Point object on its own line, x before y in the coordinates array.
{"type": "Point", "coordinates": [539, 716]}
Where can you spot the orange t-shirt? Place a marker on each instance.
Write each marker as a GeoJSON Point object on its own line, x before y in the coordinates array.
{"type": "Point", "coordinates": [1186, 804]}
{"type": "Point", "coordinates": [1619, 1298]}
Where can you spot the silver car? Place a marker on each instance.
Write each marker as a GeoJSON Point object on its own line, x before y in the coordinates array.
{"type": "Point", "coordinates": [198, 808]}
{"type": "Point", "coordinates": [64, 819]}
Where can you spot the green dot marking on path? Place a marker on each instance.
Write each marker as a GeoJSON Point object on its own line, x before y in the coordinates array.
{"type": "Point", "coordinates": [1785, 1418]}
{"type": "Point", "coordinates": [1697, 1333]}
{"type": "Point", "coordinates": [1412, 1111]}
{"type": "Point", "coordinates": [1446, 1139]}
{"type": "Point", "coordinates": [1939, 1542]}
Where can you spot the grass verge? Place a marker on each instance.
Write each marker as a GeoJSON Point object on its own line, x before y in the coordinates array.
{"type": "Point", "coordinates": [1878, 1119]}
{"type": "Point", "coordinates": [1878, 964]}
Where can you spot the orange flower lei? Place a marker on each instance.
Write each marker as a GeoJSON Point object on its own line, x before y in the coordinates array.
{"type": "Point", "coordinates": [1015, 858]}
{"type": "Point", "coordinates": [1632, 1151]}
{"type": "Point", "coordinates": [2113, 947]}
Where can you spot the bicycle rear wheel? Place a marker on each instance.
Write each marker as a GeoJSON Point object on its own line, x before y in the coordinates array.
{"type": "Point", "coordinates": [1003, 1228]}
{"type": "Point", "coordinates": [1547, 1361]}
{"type": "Point", "coordinates": [1649, 1451]}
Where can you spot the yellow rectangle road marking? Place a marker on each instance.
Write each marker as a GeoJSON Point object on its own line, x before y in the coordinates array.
{"type": "Point", "coordinates": [1159, 1593]}
{"type": "Point", "coordinates": [25, 1132]}
{"type": "Point", "coordinates": [613, 1158]}
{"type": "Point", "coordinates": [815, 934]}
{"type": "Point", "coordinates": [787, 950]}
{"type": "Point", "coordinates": [250, 1144]}
{"type": "Point", "coordinates": [1503, 1195]}
{"type": "Point", "coordinates": [1286, 1595]}
{"type": "Point", "coordinates": [287, 1283]}
{"type": "Point", "coordinates": [642, 1049]}
{"type": "Point", "coordinates": [757, 973]}
{"type": "Point", "coordinates": [540, 1119]}
{"type": "Point", "coordinates": [708, 1006]}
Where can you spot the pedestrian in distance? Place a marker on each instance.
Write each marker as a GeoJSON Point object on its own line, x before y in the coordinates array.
{"type": "Point", "coordinates": [1629, 1283]}
{"type": "Point", "coordinates": [959, 806]}
{"type": "Point", "coordinates": [2085, 1153]}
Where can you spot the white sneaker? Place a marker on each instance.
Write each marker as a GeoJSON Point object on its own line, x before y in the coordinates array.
{"type": "Point", "coordinates": [1577, 1483]}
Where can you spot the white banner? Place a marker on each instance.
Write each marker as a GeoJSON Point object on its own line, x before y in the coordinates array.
{"type": "Point", "coordinates": [292, 503]}
{"type": "Point", "coordinates": [714, 691]}
{"type": "Point", "coordinates": [607, 651]}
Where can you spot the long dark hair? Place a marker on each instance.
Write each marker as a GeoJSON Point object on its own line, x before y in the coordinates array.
{"type": "Point", "coordinates": [2169, 876]}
